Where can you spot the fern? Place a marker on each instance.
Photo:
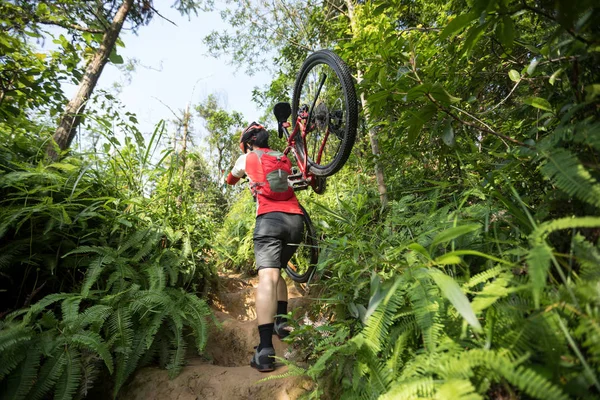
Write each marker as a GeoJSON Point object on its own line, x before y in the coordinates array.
{"type": "Point", "coordinates": [94, 342]}
{"type": "Point", "coordinates": [425, 300]}
{"type": "Point", "coordinates": [69, 380]}
{"type": "Point", "coordinates": [49, 373]}
{"type": "Point", "coordinates": [178, 352]}
{"type": "Point", "coordinates": [457, 389]}
{"type": "Point", "coordinates": [21, 382]}
{"type": "Point", "coordinates": [413, 389]}
{"type": "Point", "coordinates": [538, 261]}
{"type": "Point", "coordinates": [94, 272]}
{"type": "Point", "coordinates": [566, 171]}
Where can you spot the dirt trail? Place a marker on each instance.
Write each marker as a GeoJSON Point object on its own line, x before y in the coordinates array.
{"type": "Point", "coordinates": [227, 375]}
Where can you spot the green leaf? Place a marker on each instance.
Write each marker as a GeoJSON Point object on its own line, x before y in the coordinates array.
{"type": "Point", "coordinates": [540, 103]}
{"type": "Point", "coordinates": [514, 75]}
{"type": "Point", "coordinates": [507, 32]}
{"type": "Point", "coordinates": [451, 290]}
{"type": "Point", "coordinates": [555, 75]}
{"type": "Point", "coordinates": [538, 261]}
{"type": "Point", "coordinates": [473, 37]}
{"type": "Point", "coordinates": [440, 94]}
{"type": "Point", "coordinates": [592, 91]}
{"type": "Point", "coordinates": [115, 58]}
{"type": "Point", "coordinates": [419, 249]}
{"type": "Point", "coordinates": [453, 233]}
{"type": "Point", "coordinates": [448, 259]}
{"type": "Point", "coordinates": [457, 24]}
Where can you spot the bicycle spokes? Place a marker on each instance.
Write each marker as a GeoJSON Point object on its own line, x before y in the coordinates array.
{"type": "Point", "coordinates": [326, 116]}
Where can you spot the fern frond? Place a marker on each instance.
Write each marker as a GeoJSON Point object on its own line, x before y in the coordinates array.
{"type": "Point", "coordinates": [177, 354]}
{"type": "Point", "coordinates": [23, 378]}
{"type": "Point", "coordinates": [93, 273]}
{"type": "Point", "coordinates": [566, 172]}
{"type": "Point", "coordinates": [156, 276]}
{"type": "Point", "coordinates": [69, 380]}
{"type": "Point", "coordinates": [45, 302]}
{"type": "Point", "coordinates": [94, 316]}
{"type": "Point", "coordinates": [12, 336]}
{"type": "Point", "coordinates": [133, 240]}
{"type": "Point", "coordinates": [492, 292]}
{"type": "Point", "coordinates": [457, 389]}
{"type": "Point", "coordinates": [12, 358]}
{"type": "Point", "coordinates": [101, 250]}
{"type": "Point", "coordinates": [94, 342]}
{"type": "Point", "coordinates": [425, 299]}
{"type": "Point", "coordinates": [588, 256]}
{"type": "Point", "coordinates": [151, 244]}
{"type": "Point", "coordinates": [412, 389]}
{"type": "Point", "coordinates": [198, 311]}
{"type": "Point", "coordinates": [379, 322]}
{"type": "Point", "coordinates": [293, 370]}
{"type": "Point", "coordinates": [70, 308]}
{"type": "Point", "coordinates": [538, 261]}
{"type": "Point", "coordinates": [49, 373]}
{"type": "Point", "coordinates": [484, 276]}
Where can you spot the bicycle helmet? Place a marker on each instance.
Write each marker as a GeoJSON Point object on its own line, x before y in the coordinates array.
{"type": "Point", "coordinates": [249, 135]}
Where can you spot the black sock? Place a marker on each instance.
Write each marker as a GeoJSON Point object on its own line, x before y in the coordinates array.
{"type": "Point", "coordinates": [281, 310]}
{"type": "Point", "coordinates": [265, 332]}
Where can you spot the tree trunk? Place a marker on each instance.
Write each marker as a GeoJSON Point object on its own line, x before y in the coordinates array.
{"type": "Point", "coordinates": [72, 116]}
{"type": "Point", "coordinates": [381, 187]}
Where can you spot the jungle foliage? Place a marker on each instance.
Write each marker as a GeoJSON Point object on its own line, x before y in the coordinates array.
{"type": "Point", "coordinates": [481, 277]}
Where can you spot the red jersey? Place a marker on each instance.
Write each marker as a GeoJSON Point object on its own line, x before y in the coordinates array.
{"type": "Point", "coordinates": [249, 164]}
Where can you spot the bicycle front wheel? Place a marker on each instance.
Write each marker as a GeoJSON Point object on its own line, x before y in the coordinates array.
{"type": "Point", "coordinates": [324, 93]}
{"type": "Point", "coordinates": [302, 265]}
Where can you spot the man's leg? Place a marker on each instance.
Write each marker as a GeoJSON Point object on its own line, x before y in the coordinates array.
{"type": "Point", "coordinates": [266, 303]}
{"type": "Point", "coordinates": [282, 294]}
{"type": "Point", "coordinates": [266, 306]}
{"type": "Point", "coordinates": [282, 304]}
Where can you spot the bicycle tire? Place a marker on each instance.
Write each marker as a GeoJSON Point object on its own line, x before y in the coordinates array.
{"type": "Point", "coordinates": [302, 266]}
{"type": "Point", "coordinates": [328, 60]}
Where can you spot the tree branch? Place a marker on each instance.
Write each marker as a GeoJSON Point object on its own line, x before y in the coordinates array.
{"type": "Point", "coordinates": [70, 26]}
{"type": "Point", "coordinates": [162, 16]}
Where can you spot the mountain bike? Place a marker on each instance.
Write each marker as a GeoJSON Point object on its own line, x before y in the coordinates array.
{"type": "Point", "coordinates": [324, 114]}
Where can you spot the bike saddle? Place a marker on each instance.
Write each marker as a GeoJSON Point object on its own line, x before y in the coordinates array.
{"type": "Point", "coordinates": [282, 112]}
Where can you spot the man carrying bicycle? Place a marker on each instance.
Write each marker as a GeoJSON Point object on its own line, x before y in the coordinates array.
{"type": "Point", "coordinates": [279, 226]}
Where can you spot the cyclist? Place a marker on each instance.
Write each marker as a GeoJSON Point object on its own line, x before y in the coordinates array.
{"type": "Point", "coordinates": [279, 226]}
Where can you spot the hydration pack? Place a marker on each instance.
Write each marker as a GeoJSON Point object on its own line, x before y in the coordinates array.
{"type": "Point", "coordinates": [276, 168]}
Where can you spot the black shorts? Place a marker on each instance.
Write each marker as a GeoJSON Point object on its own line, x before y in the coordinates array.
{"type": "Point", "coordinates": [276, 238]}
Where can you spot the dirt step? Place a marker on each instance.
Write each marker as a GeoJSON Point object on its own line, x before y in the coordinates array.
{"type": "Point", "coordinates": [206, 381]}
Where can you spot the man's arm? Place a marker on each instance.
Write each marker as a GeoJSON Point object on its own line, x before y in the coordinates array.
{"type": "Point", "coordinates": [232, 180]}
{"type": "Point", "coordinates": [238, 171]}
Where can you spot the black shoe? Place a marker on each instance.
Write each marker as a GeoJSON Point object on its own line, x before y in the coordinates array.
{"type": "Point", "coordinates": [281, 329]}
{"type": "Point", "coordinates": [263, 360]}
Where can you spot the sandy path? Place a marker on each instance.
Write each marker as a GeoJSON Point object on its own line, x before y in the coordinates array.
{"type": "Point", "coordinates": [228, 374]}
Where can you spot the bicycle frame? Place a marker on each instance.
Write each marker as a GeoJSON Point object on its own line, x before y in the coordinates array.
{"type": "Point", "coordinates": [305, 178]}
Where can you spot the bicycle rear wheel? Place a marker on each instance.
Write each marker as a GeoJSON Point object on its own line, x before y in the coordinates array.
{"type": "Point", "coordinates": [303, 263]}
{"type": "Point", "coordinates": [324, 90]}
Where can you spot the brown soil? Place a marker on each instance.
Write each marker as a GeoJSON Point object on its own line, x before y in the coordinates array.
{"type": "Point", "coordinates": [228, 374]}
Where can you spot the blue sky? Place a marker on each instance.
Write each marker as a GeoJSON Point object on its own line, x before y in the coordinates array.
{"type": "Point", "coordinates": [187, 73]}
